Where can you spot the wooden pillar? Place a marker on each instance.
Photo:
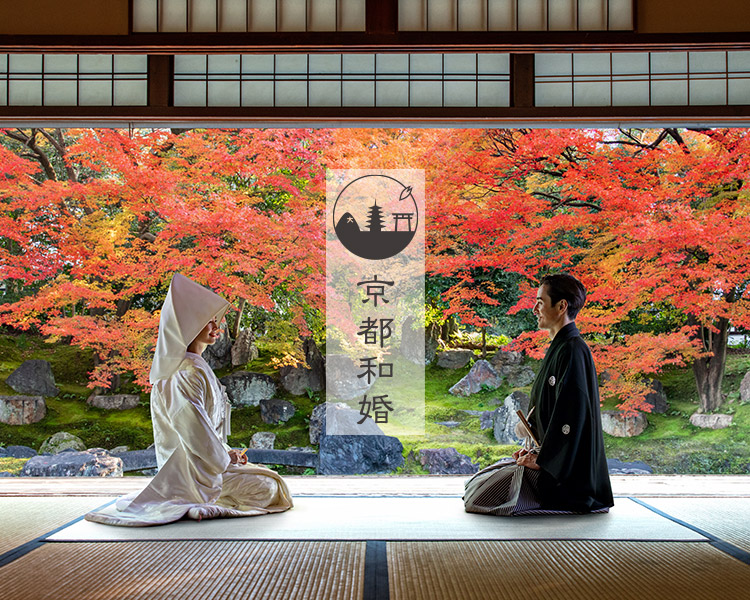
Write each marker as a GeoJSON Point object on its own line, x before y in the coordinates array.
{"type": "Point", "coordinates": [522, 80]}
{"type": "Point", "coordinates": [160, 80]}
{"type": "Point", "coordinates": [381, 16]}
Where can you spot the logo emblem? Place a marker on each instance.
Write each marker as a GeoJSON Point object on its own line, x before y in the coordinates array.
{"type": "Point", "coordinates": [552, 380]}
{"type": "Point", "coordinates": [375, 217]}
{"type": "Point", "coordinates": [566, 429]}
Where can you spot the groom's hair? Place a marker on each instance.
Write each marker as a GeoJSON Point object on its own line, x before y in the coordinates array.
{"type": "Point", "coordinates": [562, 286]}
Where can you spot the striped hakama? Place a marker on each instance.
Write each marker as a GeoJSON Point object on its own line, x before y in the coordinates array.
{"type": "Point", "coordinates": [506, 489]}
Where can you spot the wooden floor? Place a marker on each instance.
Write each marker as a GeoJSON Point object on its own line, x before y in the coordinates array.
{"type": "Point", "coordinates": [714, 563]}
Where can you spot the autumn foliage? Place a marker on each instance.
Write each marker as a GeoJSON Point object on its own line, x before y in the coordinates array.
{"type": "Point", "coordinates": [655, 223]}
{"type": "Point", "coordinates": [94, 222]}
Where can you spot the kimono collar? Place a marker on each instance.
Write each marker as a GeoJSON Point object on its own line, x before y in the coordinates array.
{"type": "Point", "coordinates": [566, 333]}
{"type": "Point", "coordinates": [186, 311]}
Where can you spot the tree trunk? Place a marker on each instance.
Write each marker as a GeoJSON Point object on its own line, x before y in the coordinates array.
{"type": "Point", "coordinates": [709, 371]}
{"type": "Point", "coordinates": [238, 321]}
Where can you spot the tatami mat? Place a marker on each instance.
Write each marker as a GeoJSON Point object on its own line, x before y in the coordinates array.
{"type": "Point", "coordinates": [563, 571]}
{"type": "Point", "coordinates": [24, 519]}
{"type": "Point", "coordinates": [726, 518]}
{"type": "Point", "coordinates": [188, 571]}
{"type": "Point", "coordinates": [397, 519]}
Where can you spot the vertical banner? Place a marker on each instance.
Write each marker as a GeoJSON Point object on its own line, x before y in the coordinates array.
{"type": "Point", "coordinates": [375, 351]}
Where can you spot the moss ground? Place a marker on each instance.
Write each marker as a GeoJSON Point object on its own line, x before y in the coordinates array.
{"type": "Point", "coordinates": [670, 444]}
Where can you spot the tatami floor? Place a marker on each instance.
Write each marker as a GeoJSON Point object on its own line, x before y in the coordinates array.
{"type": "Point", "coordinates": [376, 538]}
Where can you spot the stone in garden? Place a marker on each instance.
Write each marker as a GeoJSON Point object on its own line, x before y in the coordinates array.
{"type": "Point", "coordinates": [119, 449]}
{"type": "Point", "coordinates": [3, 452]}
{"type": "Point", "coordinates": [745, 388]}
{"type": "Point", "coordinates": [486, 417]}
{"type": "Point", "coordinates": [416, 347]}
{"type": "Point", "coordinates": [310, 376]}
{"type": "Point", "coordinates": [20, 452]}
{"type": "Point", "coordinates": [617, 467]}
{"type": "Point", "coordinates": [454, 359]}
{"type": "Point", "coordinates": [114, 401]}
{"type": "Point", "coordinates": [656, 398]}
{"type": "Point", "coordinates": [318, 419]}
{"type": "Point", "coordinates": [446, 461]}
{"type": "Point", "coordinates": [33, 378]}
{"type": "Point", "coordinates": [219, 354]}
{"type": "Point", "coordinates": [263, 440]}
{"type": "Point", "coordinates": [359, 454]}
{"type": "Point", "coordinates": [710, 421]}
{"type": "Point", "coordinates": [518, 376]}
{"type": "Point", "coordinates": [506, 358]}
{"type": "Point", "coordinates": [342, 382]}
{"type": "Point", "coordinates": [62, 440]}
{"type": "Point", "coordinates": [316, 363]}
{"type": "Point", "coordinates": [137, 460]}
{"type": "Point", "coordinates": [95, 462]}
{"type": "Point", "coordinates": [275, 411]}
{"type": "Point", "coordinates": [450, 424]}
{"type": "Point", "coordinates": [244, 349]}
{"type": "Point", "coordinates": [615, 423]}
{"type": "Point", "coordinates": [505, 418]}
{"type": "Point", "coordinates": [481, 376]}
{"type": "Point", "coordinates": [22, 410]}
{"type": "Point", "coordinates": [248, 389]}
{"type": "Point", "coordinates": [346, 454]}
{"type": "Point", "coordinates": [297, 380]}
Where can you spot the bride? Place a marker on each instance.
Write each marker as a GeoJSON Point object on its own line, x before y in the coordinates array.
{"type": "Point", "coordinates": [199, 476]}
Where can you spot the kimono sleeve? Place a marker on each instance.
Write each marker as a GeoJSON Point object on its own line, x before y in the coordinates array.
{"type": "Point", "coordinates": [568, 422]}
{"type": "Point", "coordinates": [199, 439]}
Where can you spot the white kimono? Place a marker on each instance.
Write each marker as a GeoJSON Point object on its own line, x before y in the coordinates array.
{"type": "Point", "coordinates": [190, 414]}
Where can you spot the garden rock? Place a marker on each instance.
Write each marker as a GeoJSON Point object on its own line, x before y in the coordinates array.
{"type": "Point", "coordinates": [342, 382]}
{"type": "Point", "coordinates": [244, 349]}
{"type": "Point", "coordinates": [482, 374]}
{"type": "Point", "coordinates": [745, 388]}
{"type": "Point", "coordinates": [297, 380]}
{"type": "Point", "coordinates": [710, 421]}
{"type": "Point", "coordinates": [219, 354]}
{"type": "Point", "coordinates": [446, 461]}
{"type": "Point", "coordinates": [518, 376]}
{"type": "Point", "coordinates": [95, 462]}
{"type": "Point", "coordinates": [416, 347]}
{"type": "Point", "coordinates": [617, 424]}
{"type": "Point", "coordinates": [3, 452]}
{"type": "Point", "coordinates": [656, 398]}
{"type": "Point", "coordinates": [505, 418]}
{"type": "Point", "coordinates": [263, 440]}
{"type": "Point", "coordinates": [61, 441]}
{"type": "Point", "coordinates": [359, 454]}
{"type": "Point", "coordinates": [274, 411]}
{"type": "Point", "coordinates": [486, 417]}
{"type": "Point", "coordinates": [318, 419]}
{"type": "Point", "coordinates": [119, 449]}
{"type": "Point", "coordinates": [34, 378]}
{"type": "Point", "coordinates": [506, 358]}
{"type": "Point", "coordinates": [344, 454]}
{"type": "Point", "coordinates": [454, 359]}
{"type": "Point", "coordinates": [248, 389]}
{"type": "Point", "coordinates": [617, 467]}
{"type": "Point", "coordinates": [114, 401]}
{"type": "Point", "coordinates": [22, 410]}
{"type": "Point", "coordinates": [316, 363]}
{"type": "Point", "coordinates": [20, 452]}
{"type": "Point", "coordinates": [450, 424]}
{"type": "Point", "coordinates": [137, 460]}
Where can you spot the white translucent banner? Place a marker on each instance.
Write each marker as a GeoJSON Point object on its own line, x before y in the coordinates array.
{"type": "Point", "coordinates": [375, 302]}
